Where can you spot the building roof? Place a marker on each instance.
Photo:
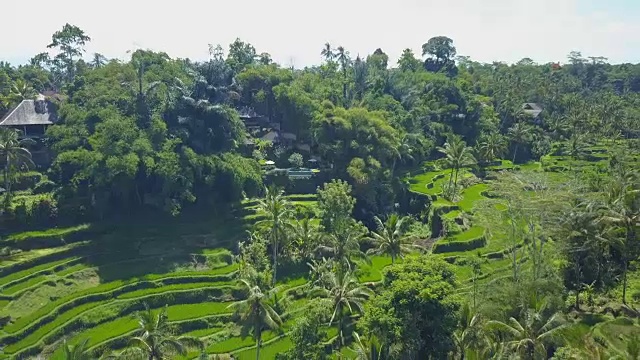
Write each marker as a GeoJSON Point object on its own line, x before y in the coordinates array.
{"type": "Point", "coordinates": [289, 136]}
{"type": "Point", "coordinates": [532, 109]}
{"type": "Point", "coordinates": [29, 112]}
{"type": "Point", "coordinates": [270, 136]}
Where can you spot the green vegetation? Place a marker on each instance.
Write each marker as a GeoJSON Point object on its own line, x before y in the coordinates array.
{"type": "Point", "coordinates": [156, 227]}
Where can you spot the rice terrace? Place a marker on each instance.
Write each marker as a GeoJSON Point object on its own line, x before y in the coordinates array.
{"type": "Point", "coordinates": [237, 208]}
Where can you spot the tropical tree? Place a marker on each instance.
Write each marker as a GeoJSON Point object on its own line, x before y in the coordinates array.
{"type": "Point", "coordinates": [368, 348]}
{"type": "Point", "coordinates": [327, 52]}
{"type": "Point", "coordinates": [343, 248]}
{"type": "Point", "coordinates": [390, 237]}
{"type": "Point", "coordinates": [519, 134]}
{"type": "Point", "coordinates": [306, 237]}
{"type": "Point", "coordinates": [624, 214]}
{"type": "Point", "coordinates": [491, 146]}
{"type": "Point", "coordinates": [98, 61]}
{"type": "Point", "coordinates": [530, 336]}
{"type": "Point", "coordinates": [21, 90]}
{"type": "Point", "coordinates": [155, 340]}
{"type": "Point", "coordinates": [278, 214]}
{"type": "Point", "coordinates": [77, 352]}
{"type": "Point", "coordinates": [344, 293]}
{"type": "Point", "coordinates": [14, 154]}
{"type": "Point", "coordinates": [343, 58]}
{"type": "Point", "coordinates": [257, 312]}
{"type": "Point", "coordinates": [457, 155]}
{"type": "Point", "coordinates": [470, 339]}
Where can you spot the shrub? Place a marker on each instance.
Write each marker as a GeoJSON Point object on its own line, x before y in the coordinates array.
{"type": "Point", "coordinates": [44, 186]}
{"type": "Point", "coordinates": [455, 246]}
{"type": "Point", "coordinates": [296, 160]}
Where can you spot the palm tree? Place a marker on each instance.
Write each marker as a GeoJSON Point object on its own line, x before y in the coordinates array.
{"type": "Point", "coordinates": [519, 134]}
{"type": "Point", "coordinates": [327, 52]}
{"type": "Point", "coordinates": [530, 336]}
{"type": "Point", "coordinates": [457, 155]}
{"type": "Point", "coordinates": [368, 349]}
{"type": "Point", "coordinates": [306, 237]}
{"type": "Point", "coordinates": [77, 352]}
{"type": "Point", "coordinates": [98, 61]}
{"type": "Point", "coordinates": [624, 213]}
{"type": "Point", "coordinates": [278, 212]}
{"type": "Point", "coordinates": [343, 58]}
{"type": "Point", "coordinates": [491, 146]}
{"type": "Point", "coordinates": [390, 237]}
{"type": "Point", "coordinates": [256, 312]}
{"type": "Point", "coordinates": [154, 340]}
{"type": "Point", "coordinates": [21, 90]}
{"type": "Point", "coordinates": [14, 154]}
{"type": "Point", "coordinates": [470, 339]}
{"type": "Point", "coordinates": [343, 248]}
{"type": "Point", "coordinates": [344, 293]}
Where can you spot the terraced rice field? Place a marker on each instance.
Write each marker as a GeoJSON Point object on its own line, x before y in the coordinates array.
{"type": "Point", "coordinates": [90, 289]}
{"type": "Point", "coordinates": [462, 236]}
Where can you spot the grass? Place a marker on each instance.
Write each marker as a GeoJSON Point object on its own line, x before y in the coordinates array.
{"type": "Point", "coordinates": [373, 272]}
{"type": "Point", "coordinates": [124, 325]}
{"type": "Point", "coordinates": [175, 313]}
{"type": "Point", "coordinates": [54, 232]}
{"type": "Point", "coordinates": [200, 333]}
{"type": "Point", "coordinates": [27, 273]}
{"type": "Point", "coordinates": [170, 288]}
{"type": "Point", "coordinates": [31, 282]}
{"type": "Point", "coordinates": [471, 195]}
{"type": "Point", "coordinates": [24, 322]}
{"type": "Point", "coordinates": [267, 351]}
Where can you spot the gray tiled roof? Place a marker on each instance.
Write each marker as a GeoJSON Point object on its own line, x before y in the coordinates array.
{"type": "Point", "coordinates": [26, 114]}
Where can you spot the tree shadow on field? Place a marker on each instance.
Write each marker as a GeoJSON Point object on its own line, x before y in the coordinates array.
{"type": "Point", "coordinates": [155, 243]}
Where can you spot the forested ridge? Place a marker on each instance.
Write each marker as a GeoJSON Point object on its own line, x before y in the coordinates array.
{"type": "Point", "coordinates": [435, 208]}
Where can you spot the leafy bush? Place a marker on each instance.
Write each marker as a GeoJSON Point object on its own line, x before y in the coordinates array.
{"type": "Point", "coordinates": [455, 246]}
{"type": "Point", "coordinates": [44, 186]}
{"type": "Point", "coordinates": [296, 160]}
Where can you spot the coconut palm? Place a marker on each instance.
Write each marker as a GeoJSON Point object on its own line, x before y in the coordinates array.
{"type": "Point", "coordinates": [306, 237]}
{"type": "Point", "coordinates": [519, 134]}
{"type": "Point", "coordinates": [327, 52]}
{"type": "Point", "coordinates": [77, 352]}
{"type": "Point", "coordinates": [390, 237]}
{"type": "Point", "coordinates": [624, 213]}
{"type": "Point", "coordinates": [14, 154]}
{"type": "Point", "coordinates": [470, 340]}
{"type": "Point", "coordinates": [343, 58]}
{"type": "Point", "coordinates": [256, 312]}
{"type": "Point", "coordinates": [343, 248]}
{"type": "Point", "coordinates": [21, 90]}
{"type": "Point", "coordinates": [155, 340]}
{"type": "Point", "coordinates": [278, 213]}
{"type": "Point", "coordinates": [344, 293]}
{"type": "Point", "coordinates": [457, 155]}
{"type": "Point", "coordinates": [530, 336]}
{"type": "Point", "coordinates": [491, 146]}
{"type": "Point", "coordinates": [98, 61]}
{"type": "Point", "coordinates": [368, 349]}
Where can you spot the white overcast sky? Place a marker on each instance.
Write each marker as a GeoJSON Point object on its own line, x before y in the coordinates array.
{"type": "Point", "coordinates": [295, 31]}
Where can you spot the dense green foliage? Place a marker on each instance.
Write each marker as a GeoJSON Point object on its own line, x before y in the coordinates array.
{"type": "Point", "coordinates": [180, 192]}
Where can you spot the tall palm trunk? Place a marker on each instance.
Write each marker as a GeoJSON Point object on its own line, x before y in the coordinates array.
{"type": "Point", "coordinates": [624, 281]}
{"type": "Point", "coordinates": [515, 152]}
{"type": "Point", "coordinates": [451, 178]}
{"type": "Point", "coordinates": [344, 84]}
{"type": "Point", "coordinates": [275, 253]}
{"type": "Point", "coordinates": [455, 181]}
{"type": "Point", "coordinates": [7, 178]}
{"type": "Point", "coordinates": [258, 344]}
